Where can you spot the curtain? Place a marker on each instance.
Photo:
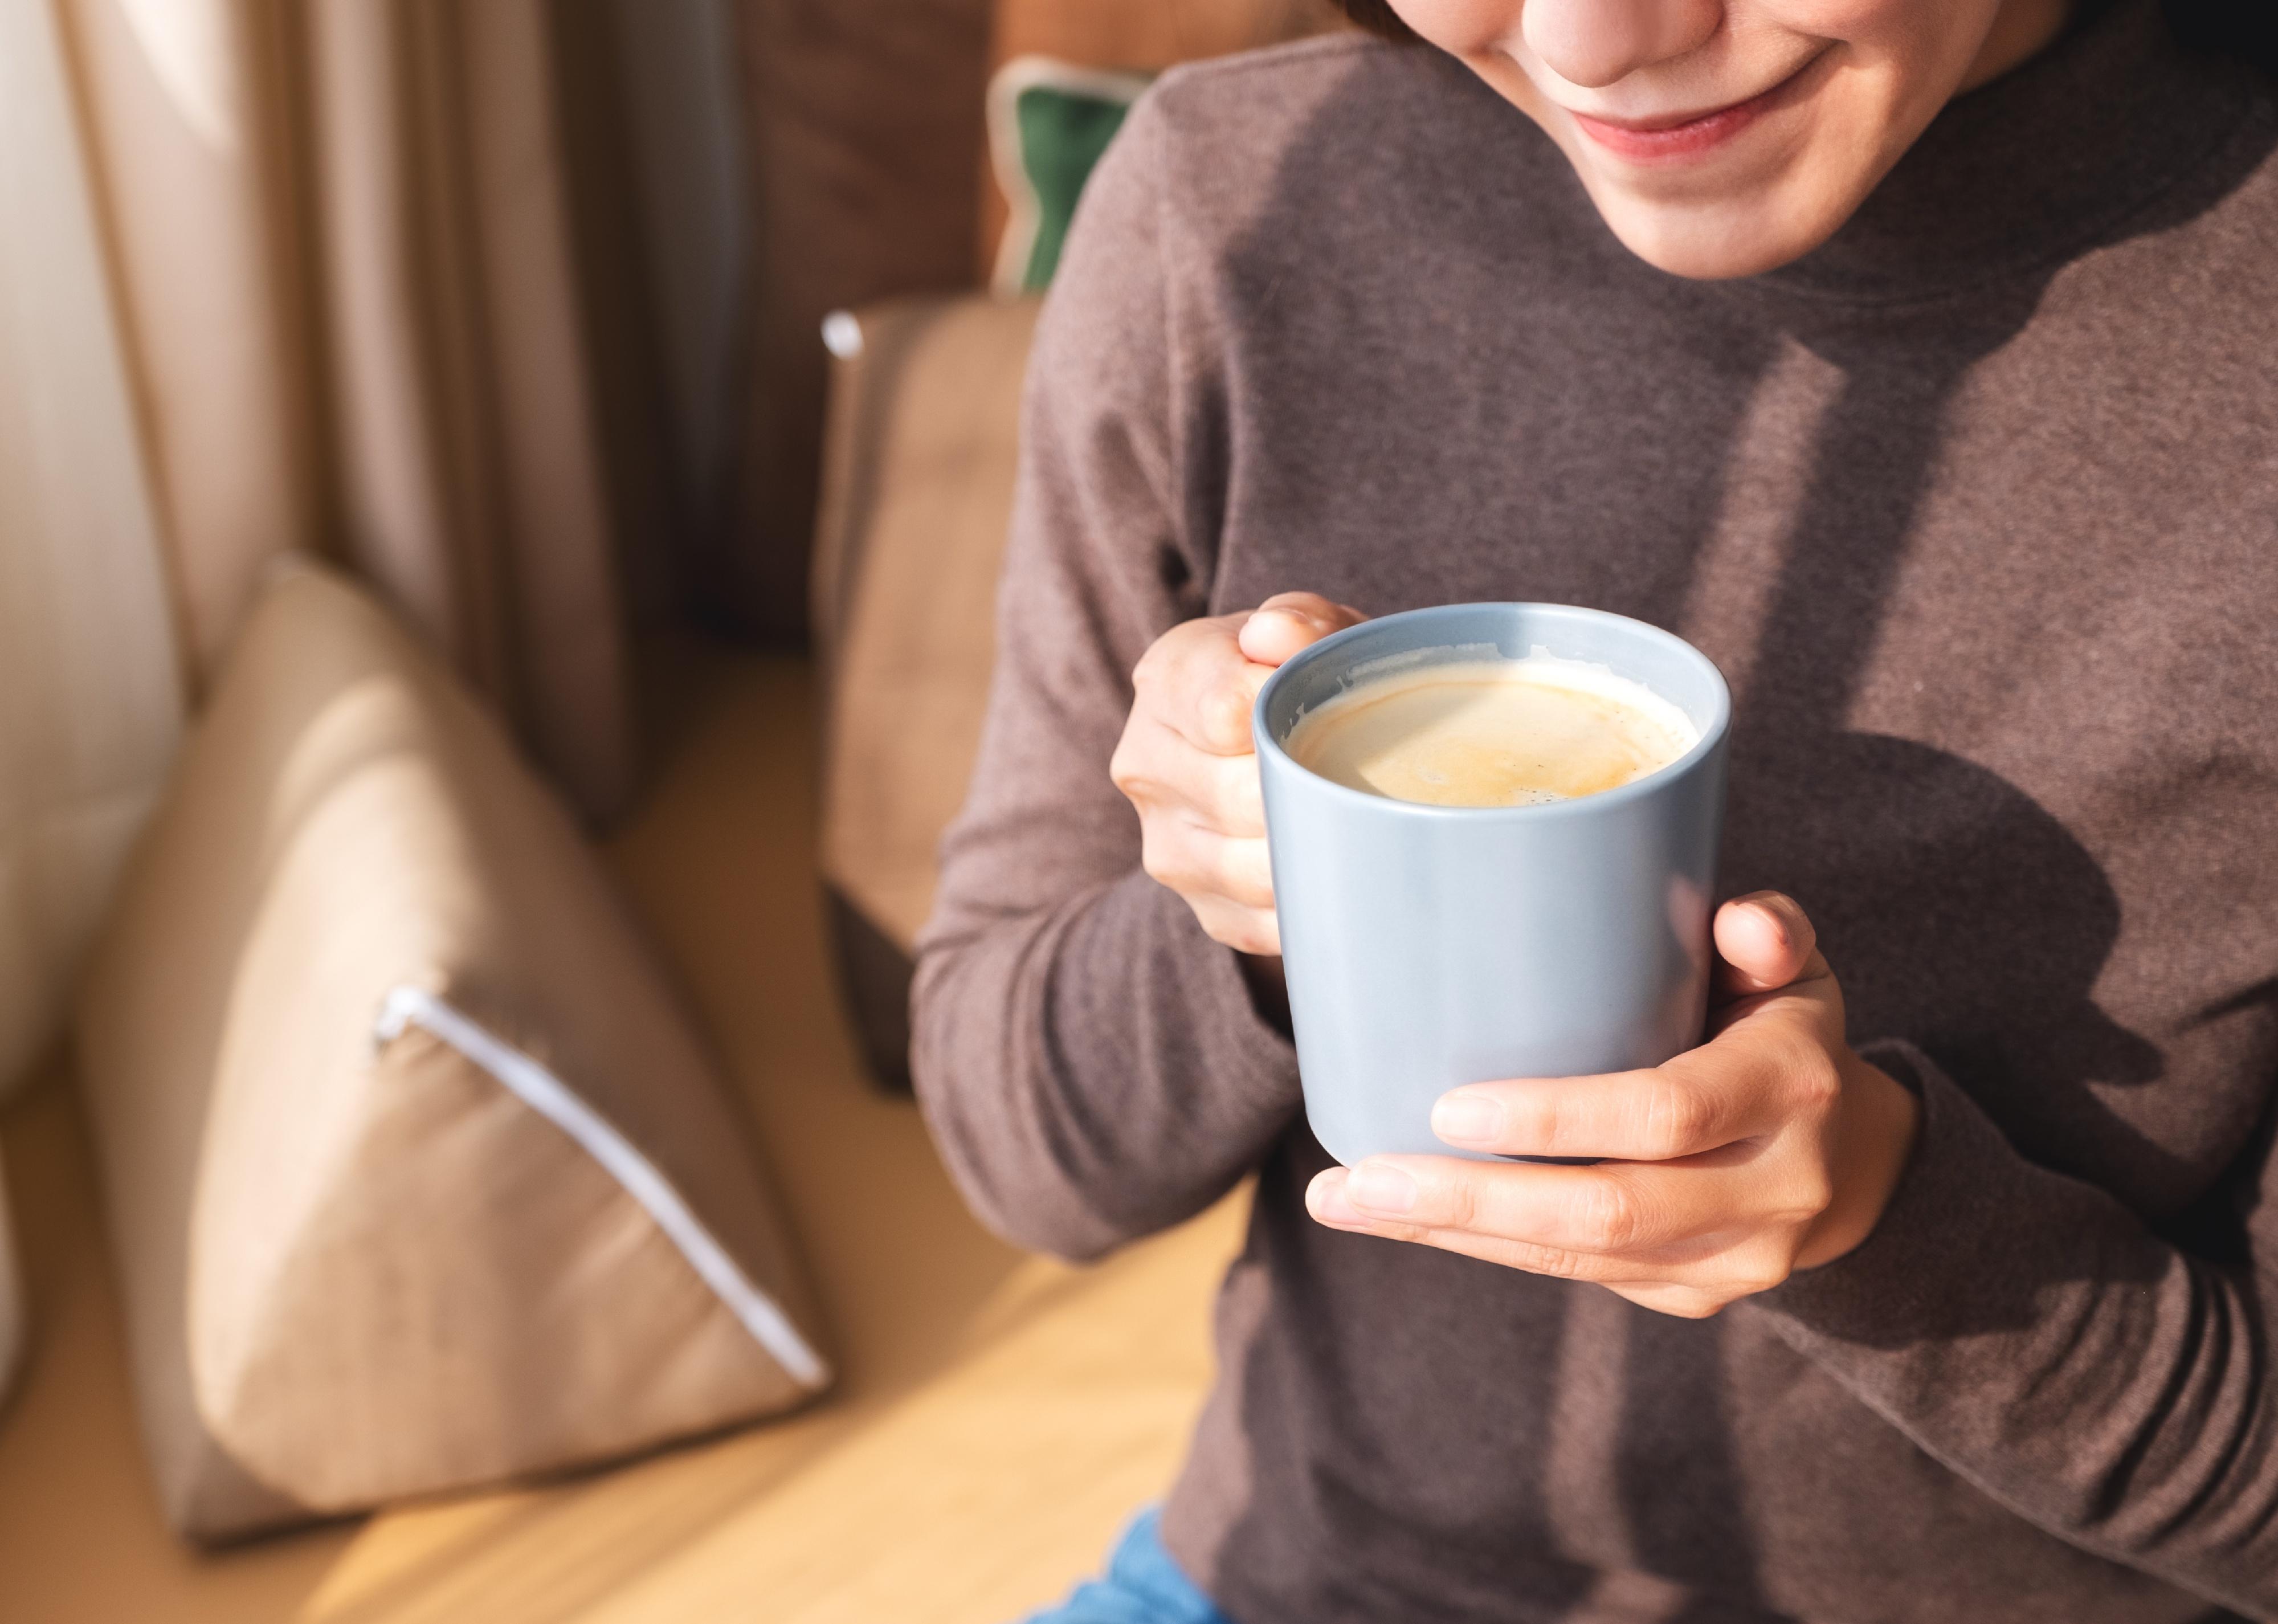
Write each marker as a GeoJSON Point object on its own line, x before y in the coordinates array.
{"type": "Point", "coordinates": [383, 300]}
{"type": "Point", "coordinates": [447, 291]}
{"type": "Point", "coordinates": [467, 437]}
{"type": "Point", "coordinates": [90, 692]}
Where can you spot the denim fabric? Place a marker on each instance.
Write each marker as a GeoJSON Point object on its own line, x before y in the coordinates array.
{"type": "Point", "coordinates": [1141, 1586]}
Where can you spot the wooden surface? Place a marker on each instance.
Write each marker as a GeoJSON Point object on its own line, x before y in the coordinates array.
{"type": "Point", "coordinates": [999, 1416]}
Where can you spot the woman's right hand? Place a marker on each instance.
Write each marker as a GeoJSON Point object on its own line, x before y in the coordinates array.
{"type": "Point", "coordinates": [1185, 759]}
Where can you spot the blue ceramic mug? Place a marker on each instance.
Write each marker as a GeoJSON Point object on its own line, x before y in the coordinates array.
{"type": "Point", "coordinates": [1428, 946]}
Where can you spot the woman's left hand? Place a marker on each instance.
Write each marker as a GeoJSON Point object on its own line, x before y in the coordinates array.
{"type": "Point", "coordinates": [1769, 1148]}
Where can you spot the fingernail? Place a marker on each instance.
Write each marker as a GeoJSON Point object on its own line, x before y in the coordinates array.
{"type": "Point", "coordinates": [1325, 1197]}
{"type": "Point", "coordinates": [1466, 1119]}
{"type": "Point", "coordinates": [1380, 1189]}
{"type": "Point", "coordinates": [1309, 622]}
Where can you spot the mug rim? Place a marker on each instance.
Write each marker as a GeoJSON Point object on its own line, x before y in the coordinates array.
{"type": "Point", "coordinates": [1262, 739]}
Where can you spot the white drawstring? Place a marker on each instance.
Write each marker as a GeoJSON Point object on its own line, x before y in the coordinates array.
{"type": "Point", "coordinates": [546, 1094]}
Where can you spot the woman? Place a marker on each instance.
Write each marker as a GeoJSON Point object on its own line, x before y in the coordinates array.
{"type": "Point", "coordinates": [1912, 360]}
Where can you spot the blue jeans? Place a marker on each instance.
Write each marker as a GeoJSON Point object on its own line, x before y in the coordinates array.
{"type": "Point", "coordinates": [1141, 1586]}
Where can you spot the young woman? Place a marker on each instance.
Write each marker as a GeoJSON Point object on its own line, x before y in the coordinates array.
{"type": "Point", "coordinates": [1914, 359]}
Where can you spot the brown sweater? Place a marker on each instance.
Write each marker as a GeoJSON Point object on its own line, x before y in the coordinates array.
{"type": "Point", "coordinates": [1977, 507]}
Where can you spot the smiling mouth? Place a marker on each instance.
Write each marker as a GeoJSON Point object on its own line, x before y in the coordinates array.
{"type": "Point", "coordinates": [1685, 135]}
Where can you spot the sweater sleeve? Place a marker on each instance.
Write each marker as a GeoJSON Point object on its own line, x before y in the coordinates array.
{"type": "Point", "coordinates": [2029, 1331]}
{"type": "Point", "coordinates": [1091, 1064]}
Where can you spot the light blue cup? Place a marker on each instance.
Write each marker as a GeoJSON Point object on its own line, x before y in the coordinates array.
{"type": "Point", "coordinates": [1429, 946]}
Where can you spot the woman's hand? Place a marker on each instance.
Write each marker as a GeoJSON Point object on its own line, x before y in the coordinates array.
{"type": "Point", "coordinates": [1772, 1147]}
{"type": "Point", "coordinates": [1185, 759]}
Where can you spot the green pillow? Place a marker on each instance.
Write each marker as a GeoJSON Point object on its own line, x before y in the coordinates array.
{"type": "Point", "coordinates": [1049, 122]}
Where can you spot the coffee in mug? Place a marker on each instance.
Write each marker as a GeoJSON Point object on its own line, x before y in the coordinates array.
{"type": "Point", "coordinates": [1494, 733]}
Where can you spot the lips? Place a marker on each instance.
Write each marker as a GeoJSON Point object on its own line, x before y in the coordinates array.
{"type": "Point", "coordinates": [1685, 135]}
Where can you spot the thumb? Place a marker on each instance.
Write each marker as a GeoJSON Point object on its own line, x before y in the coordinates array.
{"type": "Point", "coordinates": [1291, 621]}
{"type": "Point", "coordinates": [1765, 942]}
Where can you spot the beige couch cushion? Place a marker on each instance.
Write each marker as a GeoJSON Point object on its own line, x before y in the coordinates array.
{"type": "Point", "coordinates": [917, 495]}
{"type": "Point", "coordinates": [418, 1175]}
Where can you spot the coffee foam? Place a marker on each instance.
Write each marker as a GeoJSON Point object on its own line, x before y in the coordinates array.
{"type": "Point", "coordinates": [1489, 731]}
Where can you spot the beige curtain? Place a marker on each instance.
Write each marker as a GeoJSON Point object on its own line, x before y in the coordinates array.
{"type": "Point", "coordinates": [377, 305]}
{"type": "Point", "coordinates": [90, 690]}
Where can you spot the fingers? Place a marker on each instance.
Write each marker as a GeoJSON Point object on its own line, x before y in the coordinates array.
{"type": "Point", "coordinates": [1661, 1233]}
{"type": "Point", "coordinates": [1194, 861]}
{"type": "Point", "coordinates": [1203, 834]}
{"type": "Point", "coordinates": [1778, 1073]}
{"type": "Point", "coordinates": [1622, 1211]}
{"type": "Point", "coordinates": [1202, 678]}
{"type": "Point", "coordinates": [1764, 942]}
{"type": "Point", "coordinates": [1194, 680]}
{"type": "Point", "coordinates": [1187, 764]}
{"type": "Point", "coordinates": [1683, 1302]}
{"type": "Point", "coordinates": [1158, 771]}
{"type": "Point", "coordinates": [1745, 1083]}
{"type": "Point", "coordinates": [1329, 1199]}
{"type": "Point", "coordinates": [1254, 930]}
{"type": "Point", "coordinates": [1653, 1115]}
{"type": "Point", "coordinates": [1290, 621]}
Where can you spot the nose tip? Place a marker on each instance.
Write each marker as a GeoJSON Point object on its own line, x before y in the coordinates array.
{"type": "Point", "coordinates": [1595, 43]}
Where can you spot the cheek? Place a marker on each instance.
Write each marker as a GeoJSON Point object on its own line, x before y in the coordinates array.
{"type": "Point", "coordinates": [1899, 30]}
{"type": "Point", "coordinates": [1832, 20]}
{"type": "Point", "coordinates": [1465, 26]}
{"type": "Point", "coordinates": [1461, 27]}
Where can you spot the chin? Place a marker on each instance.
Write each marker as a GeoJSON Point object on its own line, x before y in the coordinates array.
{"type": "Point", "coordinates": [1718, 241]}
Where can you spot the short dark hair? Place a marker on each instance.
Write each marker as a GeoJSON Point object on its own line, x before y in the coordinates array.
{"type": "Point", "coordinates": [1378, 17]}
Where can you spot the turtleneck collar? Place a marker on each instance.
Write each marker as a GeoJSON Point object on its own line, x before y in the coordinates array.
{"type": "Point", "coordinates": [2035, 166]}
